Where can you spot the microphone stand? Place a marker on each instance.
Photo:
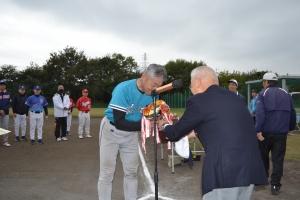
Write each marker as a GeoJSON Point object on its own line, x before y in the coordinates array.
{"type": "Point", "coordinates": [154, 94]}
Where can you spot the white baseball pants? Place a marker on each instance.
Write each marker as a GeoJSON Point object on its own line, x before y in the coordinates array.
{"type": "Point", "coordinates": [84, 121]}
{"type": "Point", "coordinates": [4, 124]}
{"type": "Point", "coordinates": [36, 122]}
{"type": "Point", "coordinates": [69, 120]}
{"type": "Point", "coordinates": [20, 121]}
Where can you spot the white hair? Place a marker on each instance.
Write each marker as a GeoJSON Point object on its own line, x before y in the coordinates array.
{"type": "Point", "coordinates": [202, 72]}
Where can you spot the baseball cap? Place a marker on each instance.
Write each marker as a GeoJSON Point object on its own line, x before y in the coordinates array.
{"type": "Point", "coordinates": [67, 92]}
{"type": "Point", "coordinates": [22, 87]}
{"type": "Point", "coordinates": [3, 82]}
{"type": "Point", "coordinates": [254, 90]}
{"type": "Point", "coordinates": [233, 81]}
{"type": "Point", "coordinates": [37, 87]}
{"type": "Point", "coordinates": [85, 91]}
{"type": "Point", "coordinates": [270, 76]}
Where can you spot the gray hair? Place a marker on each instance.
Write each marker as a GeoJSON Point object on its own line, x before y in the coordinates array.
{"type": "Point", "coordinates": [204, 72]}
{"type": "Point", "coordinates": [154, 70]}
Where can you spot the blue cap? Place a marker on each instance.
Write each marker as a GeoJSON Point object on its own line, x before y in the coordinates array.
{"type": "Point", "coordinates": [3, 81]}
{"type": "Point", "coordinates": [22, 87]}
{"type": "Point", "coordinates": [37, 87]}
{"type": "Point", "coordinates": [67, 92]}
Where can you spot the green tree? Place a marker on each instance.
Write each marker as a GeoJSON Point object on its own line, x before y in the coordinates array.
{"type": "Point", "coordinates": [67, 67]}
{"type": "Point", "coordinates": [11, 75]}
{"type": "Point", "coordinates": [106, 72]}
{"type": "Point", "coordinates": [181, 69]}
{"type": "Point", "coordinates": [32, 75]}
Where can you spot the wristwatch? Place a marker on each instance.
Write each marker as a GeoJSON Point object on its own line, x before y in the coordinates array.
{"type": "Point", "coordinates": [164, 126]}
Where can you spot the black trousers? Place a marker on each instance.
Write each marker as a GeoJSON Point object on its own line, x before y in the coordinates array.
{"type": "Point", "coordinates": [277, 145]}
{"type": "Point", "coordinates": [60, 124]}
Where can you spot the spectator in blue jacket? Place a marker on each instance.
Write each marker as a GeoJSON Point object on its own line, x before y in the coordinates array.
{"type": "Point", "coordinates": [252, 107]}
{"type": "Point", "coordinates": [232, 86]}
{"type": "Point", "coordinates": [5, 100]}
{"type": "Point", "coordinates": [275, 118]}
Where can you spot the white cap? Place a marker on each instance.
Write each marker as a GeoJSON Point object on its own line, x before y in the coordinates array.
{"type": "Point", "coordinates": [233, 81]}
{"type": "Point", "coordinates": [270, 76]}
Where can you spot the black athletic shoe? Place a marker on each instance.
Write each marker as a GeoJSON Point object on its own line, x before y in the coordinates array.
{"type": "Point", "coordinates": [17, 139]}
{"type": "Point", "coordinates": [23, 138]}
{"type": "Point", "coordinates": [40, 141]}
{"type": "Point", "coordinates": [275, 189]}
{"type": "Point", "coordinates": [32, 142]}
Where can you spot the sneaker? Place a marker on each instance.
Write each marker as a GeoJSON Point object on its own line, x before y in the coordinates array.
{"type": "Point", "coordinates": [40, 141]}
{"type": "Point", "coordinates": [32, 142]}
{"type": "Point", "coordinates": [24, 138]}
{"type": "Point", "coordinates": [80, 137]}
{"type": "Point", "coordinates": [64, 138]}
{"type": "Point", "coordinates": [275, 189]}
{"type": "Point", "coordinates": [68, 133]}
{"type": "Point", "coordinates": [88, 136]}
{"type": "Point", "coordinates": [17, 139]}
{"type": "Point", "coordinates": [6, 144]}
{"type": "Point", "coordinates": [58, 139]}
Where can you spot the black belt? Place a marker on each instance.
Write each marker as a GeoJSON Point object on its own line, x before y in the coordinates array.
{"type": "Point", "coordinates": [36, 111]}
{"type": "Point", "coordinates": [112, 123]}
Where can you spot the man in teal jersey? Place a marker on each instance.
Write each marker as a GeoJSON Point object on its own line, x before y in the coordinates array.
{"type": "Point", "coordinates": [119, 130]}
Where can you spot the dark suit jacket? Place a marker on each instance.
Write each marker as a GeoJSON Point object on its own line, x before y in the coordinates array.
{"type": "Point", "coordinates": [227, 133]}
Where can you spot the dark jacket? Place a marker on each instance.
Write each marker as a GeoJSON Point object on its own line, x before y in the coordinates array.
{"type": "Point", "coordinates": [226, 131]}
{"type": "Point", "coordinates": [5, 99]}
{"type": "Point", "coordinates": [275, 112]}
{"type": "Point", "coordinates": [18, 104]}
{"type": "Point", "coordinates": [241, 97]}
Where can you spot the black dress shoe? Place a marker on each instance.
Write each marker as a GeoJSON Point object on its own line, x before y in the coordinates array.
{"type": "Point", "coordinates": [275, 189]}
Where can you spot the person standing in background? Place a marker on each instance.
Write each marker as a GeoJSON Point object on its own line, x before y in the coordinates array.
{"type": "Point", "coordinates": [232, 86]}
{"type": "Point", "coordinates": [36, 103]}
{"type": "Point", "coordinates": [84, 104]}
{"type": "Point", "coordinates": [252, 106]}
{"type": "Point", "coordinates": [61, 106]}
{"type": "Point", "coordinates": [19, 113]}
{"type": "Point", "coordinates": [5, 100]}
{"type": "Point", "coordinates": [69, 117]}
{"type": "Point", "coordinates": [275, 118]}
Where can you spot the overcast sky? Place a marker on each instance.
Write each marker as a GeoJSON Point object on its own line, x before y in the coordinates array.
{"type": "Point", "coordinates": [225, 34]}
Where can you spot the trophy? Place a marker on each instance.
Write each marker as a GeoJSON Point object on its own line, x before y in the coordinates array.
{"type": "Point", "coordinates": [161, 110]}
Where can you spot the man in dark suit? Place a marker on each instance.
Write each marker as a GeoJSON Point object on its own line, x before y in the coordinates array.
{"type": "Point", "coordinates": [221, 121]}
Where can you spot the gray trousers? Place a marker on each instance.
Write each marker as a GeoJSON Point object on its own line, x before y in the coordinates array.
{"type": "Point", "coordinates": [235, 193]}
{"type": "Point", "coordinates": [4, 124]}
{"type": "Point", "coordinates": [20, 121]}
{"type": "Point", "coordinates": [112, 141]}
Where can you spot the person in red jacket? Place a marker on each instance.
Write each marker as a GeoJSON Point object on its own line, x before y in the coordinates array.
{"type": "Point", "coordinates": [69, 117]}
{"type": "Point", "coordinates": [83, 104]}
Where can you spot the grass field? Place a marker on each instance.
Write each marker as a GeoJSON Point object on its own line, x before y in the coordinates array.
{"type": "Point", "coordinates": [293, 142]}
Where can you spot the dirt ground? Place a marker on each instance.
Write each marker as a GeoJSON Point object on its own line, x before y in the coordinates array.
{"type": "Point", "coordinates": [69, 170]}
